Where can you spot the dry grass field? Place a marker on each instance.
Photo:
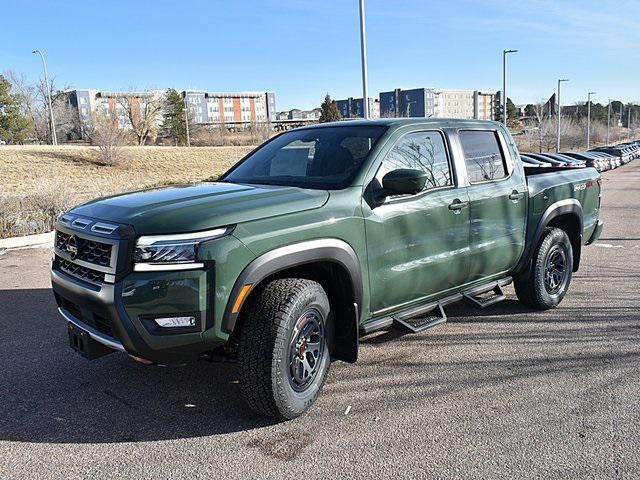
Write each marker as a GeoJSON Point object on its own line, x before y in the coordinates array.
{"type": "Point", "coordinates": [41, 181]}
{"type": "Point", "coordinates": [24, 169]}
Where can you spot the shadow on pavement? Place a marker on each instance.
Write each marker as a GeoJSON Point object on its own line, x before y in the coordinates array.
{"type": "Point", "coordinates": [51, 394]}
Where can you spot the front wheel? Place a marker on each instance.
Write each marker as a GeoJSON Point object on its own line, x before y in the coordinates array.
{"type": "Point", "coordinates": [283, 352]}
{"type": "Point", "coordinates": [545, 283]}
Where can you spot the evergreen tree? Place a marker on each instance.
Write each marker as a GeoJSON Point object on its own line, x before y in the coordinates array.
{"type": "Point", "coordinates": [512, 111]}
{"type": "Point", "coordinates": [14, 127]}
{"type": "Point", "coordinates": [330, 110]}
{"type": "Point", "coordinates": [513, 117]}
{"type": "Point", "coordinates": [174, 118]}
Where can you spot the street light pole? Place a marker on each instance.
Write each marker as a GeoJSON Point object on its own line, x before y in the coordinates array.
{"type": "Point", "coordinates": [363, 53]}
{"type": "Point", "coordinates": [559, 111]}
{"type": "Point", "coordinates": [620, 122]}
{"type": "Point", "coordinates": [609, 122]}
{"type": "Point", "coordinates": [52, 123]}
{"type": "Point", "coordinates": [589, 118]}
{"type": "Point", "coordinates": [186, 118]}
{"type": "Point", "coordinates": [504, 84]}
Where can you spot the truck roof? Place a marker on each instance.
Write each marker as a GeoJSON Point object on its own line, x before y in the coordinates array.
{"type": "Point", "coordinates": [398, 122]}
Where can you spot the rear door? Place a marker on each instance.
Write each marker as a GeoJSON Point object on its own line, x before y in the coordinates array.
{"type": "Point", "coordinates": [417, 245]}
{"type": "Point", "coordinates": [498, 202]}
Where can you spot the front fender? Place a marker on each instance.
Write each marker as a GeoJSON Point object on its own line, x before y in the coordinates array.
{"type": "Point", "coordinates": [293, 255]}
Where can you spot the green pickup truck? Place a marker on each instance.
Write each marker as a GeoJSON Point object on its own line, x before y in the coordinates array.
{"type": "Point", "coordinates": [315, 238]}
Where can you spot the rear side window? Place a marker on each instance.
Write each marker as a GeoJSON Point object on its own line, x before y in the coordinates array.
{"type": "Point", "coordinates": [482, 155]}
{"type": "Point", "coordinates": [424, 151]}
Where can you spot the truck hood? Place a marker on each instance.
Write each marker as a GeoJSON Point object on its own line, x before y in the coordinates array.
{"type": "Point", "coordinates": [188, 208]}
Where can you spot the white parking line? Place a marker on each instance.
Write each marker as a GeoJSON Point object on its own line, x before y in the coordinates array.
{"type": "Point", "coordinates": [607, 245]}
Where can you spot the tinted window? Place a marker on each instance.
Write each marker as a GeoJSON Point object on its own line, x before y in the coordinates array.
{"type": "Point", "coordinates": [322, 157]}
{"type": "Point", "coordinates": [482, 155]}
{"type": "Point", "coordinates": [424, 151]}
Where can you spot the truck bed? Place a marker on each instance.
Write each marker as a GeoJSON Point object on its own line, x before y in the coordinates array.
{"type": "Point", "coordinates": [548, 185]}
{"type": "Point", "coordinates": [537, 170]}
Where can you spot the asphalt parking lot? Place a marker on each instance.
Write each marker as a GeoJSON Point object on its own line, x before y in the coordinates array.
{"type": "Point", "coordinates": [499, 393]}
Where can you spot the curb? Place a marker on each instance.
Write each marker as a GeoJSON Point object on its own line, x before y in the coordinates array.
{"type": "Point", "coordinates": [39, 240]}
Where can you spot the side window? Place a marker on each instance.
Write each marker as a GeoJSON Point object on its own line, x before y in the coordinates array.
{"type": "Point", "coordinates": [483, 156]}
{"type": "Point", "coordinates": [424, 151]}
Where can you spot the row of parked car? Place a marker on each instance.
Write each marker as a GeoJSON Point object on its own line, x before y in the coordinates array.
{"type": "Point", "coordinates": [601, 158]}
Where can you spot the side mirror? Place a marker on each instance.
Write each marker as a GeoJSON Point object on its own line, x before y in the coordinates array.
{"type": "Point", "coordinates": [404, 181]}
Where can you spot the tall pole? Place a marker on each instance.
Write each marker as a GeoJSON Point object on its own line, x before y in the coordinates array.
{"type": "Point", "coordinates": [589, 118]}
{"type": "Point", "coordinates": [186, 118]}
{"type": "Point", "coordinates": [620, 123]}
{"type": "Point", "coordinates": [52, 123]}
{"type": "Point", "coordinates": [504, 84]}
{"type": "Point", "coordinates": [609, 122]}
{"type": "Point", "coordinates": [363, 53]}
{"type": "Point", "coordinates": [559, 111]}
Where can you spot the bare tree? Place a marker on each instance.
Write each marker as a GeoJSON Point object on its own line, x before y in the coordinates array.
{"type": "Point", "coordinates": [33, 105]}
{"type": "Point", "coordinates": [209, 135]}
{"type": "Point", "coordinates": [143, 113]}
{"type": "Point", "coordinates": [110, 139]}
{"type": "Point", "coordinates": [534, 131]}
{"type": "Point", "coordinates": [66, 116]}
{"type": "Point", "coordinates": [259, 132]}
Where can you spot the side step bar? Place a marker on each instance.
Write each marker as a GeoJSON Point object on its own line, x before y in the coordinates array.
{"type": "Point", "coordinates": [473, 296]}
{"type": "Point", "coordinates": [429, 315]}
{"type": "Point", "coordinates": [415, 324]}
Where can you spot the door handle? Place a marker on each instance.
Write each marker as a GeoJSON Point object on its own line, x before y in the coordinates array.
{"type": "Point", "coordinates": [515, 196]}
{"type": "Point", "coordinates": [457, 206]}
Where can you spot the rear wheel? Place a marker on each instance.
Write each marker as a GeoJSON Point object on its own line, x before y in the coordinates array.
{"type": "Point", "coordinates": [283, 352]}
{"type": "Point", "coordinates": [547, 280]}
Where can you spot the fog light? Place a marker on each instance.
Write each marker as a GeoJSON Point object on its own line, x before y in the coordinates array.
{"type": "Point", "coordinates": [172, 322]}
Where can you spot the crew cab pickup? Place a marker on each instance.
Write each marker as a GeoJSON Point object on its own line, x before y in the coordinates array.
{"type": "Point", "coordinates": [318, 236]}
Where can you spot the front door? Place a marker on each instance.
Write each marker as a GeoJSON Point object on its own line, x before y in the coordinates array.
{"type": "Point", "coordinates": [498, 203]}
{"type": "Point", "coordinates": [417, 245]}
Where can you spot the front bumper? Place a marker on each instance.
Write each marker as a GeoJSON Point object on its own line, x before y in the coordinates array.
{"type": "Point", "coordinates": [96, 335]}
{"type": "Point", "coordinates": [125, 322]}
{"type": "Point", "coordinates": [98, 290]}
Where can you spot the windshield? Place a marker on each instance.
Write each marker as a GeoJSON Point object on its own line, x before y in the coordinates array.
{"type": "Point", "coordinates": [323, 158]}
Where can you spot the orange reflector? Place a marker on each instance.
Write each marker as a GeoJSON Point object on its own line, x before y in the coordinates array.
{"type": "Point", "coordinates": [240, 299]}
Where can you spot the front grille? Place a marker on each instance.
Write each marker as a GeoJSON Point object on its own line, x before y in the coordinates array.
{"type": "Point", "coordinates": [79, 271]}
{"type": "Point", "coordinates": [89, 251]}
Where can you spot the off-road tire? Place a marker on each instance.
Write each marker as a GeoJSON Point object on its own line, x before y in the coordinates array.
{"type": "Point", "coordinates": [268, 322]}
{"type": "Point", "coordinates": [530, 286]}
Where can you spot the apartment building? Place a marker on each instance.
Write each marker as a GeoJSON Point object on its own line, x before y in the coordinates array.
{"type": "Point", "coordinates": [233, 108]}
{"type": "Point", "coordinates": [103, 102]}
{"type": "Point", "coordinates": [453, 103]}
{"type": "Point", "coordinates": [484, 105]}
{"type": "Point", "coordinates": [354, 107]}
{"type": "Point", "coordinates": [432, 102]}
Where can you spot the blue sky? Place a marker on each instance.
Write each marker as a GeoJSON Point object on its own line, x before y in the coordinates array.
{"type": "Point", "coordinates": [302, 49]}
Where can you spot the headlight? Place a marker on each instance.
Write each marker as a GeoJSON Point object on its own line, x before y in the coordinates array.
{"type": "Point", "coordinates": [164, 252]}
